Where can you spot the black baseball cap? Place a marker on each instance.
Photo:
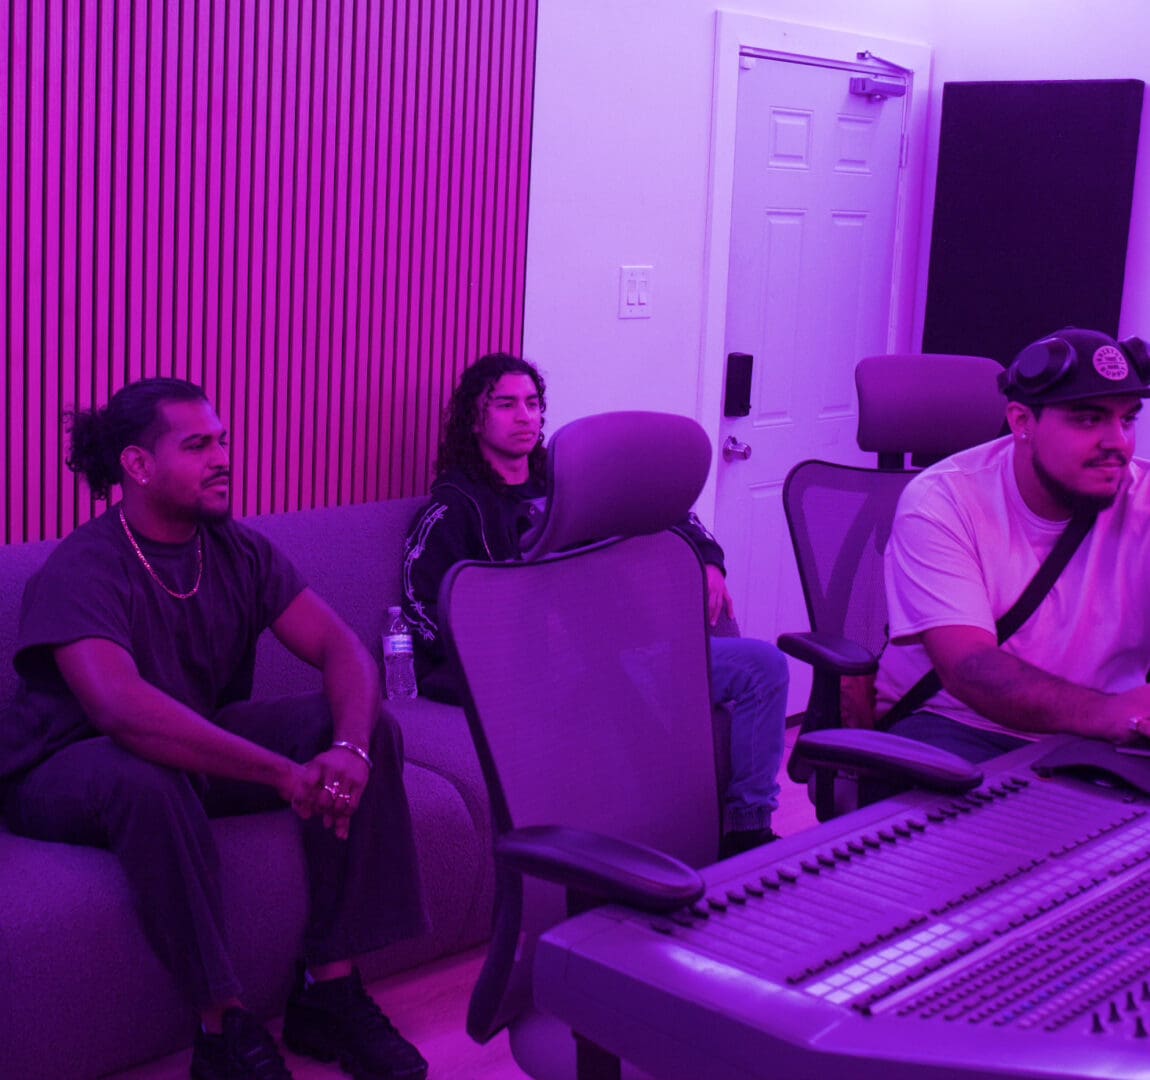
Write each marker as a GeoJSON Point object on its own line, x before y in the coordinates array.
{"type": "Point", "coordinates": [1074, 364]}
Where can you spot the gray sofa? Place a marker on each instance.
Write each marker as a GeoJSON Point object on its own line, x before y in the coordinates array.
{"type": "Point", "coordinates": [81, 993]}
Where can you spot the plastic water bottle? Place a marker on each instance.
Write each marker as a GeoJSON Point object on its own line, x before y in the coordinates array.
{"type": "Point", "coordinates": [398, 658]}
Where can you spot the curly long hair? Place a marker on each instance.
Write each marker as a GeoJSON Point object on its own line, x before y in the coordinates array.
{"type": "Point", "coordinates": [458, 446]}
{"type": "Point", "coordinates": [97, 437]}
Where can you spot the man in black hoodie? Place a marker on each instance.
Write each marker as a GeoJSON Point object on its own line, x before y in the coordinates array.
{"type": "Point", "coordinates": [488, 492]}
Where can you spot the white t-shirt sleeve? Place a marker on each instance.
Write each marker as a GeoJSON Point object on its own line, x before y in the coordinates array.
{"type": "Point", "coordinates": [933, 567]}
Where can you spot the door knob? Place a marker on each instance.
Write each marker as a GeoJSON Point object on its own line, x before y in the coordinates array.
{"type": "Point", "coordinates": [732, 449]}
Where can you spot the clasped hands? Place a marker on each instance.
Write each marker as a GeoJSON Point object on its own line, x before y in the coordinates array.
{"type": "Point", "coordinates": [329, 786]}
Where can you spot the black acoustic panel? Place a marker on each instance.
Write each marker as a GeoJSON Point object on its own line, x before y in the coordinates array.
{"type": "Point", "coordinates": [1031, 212]}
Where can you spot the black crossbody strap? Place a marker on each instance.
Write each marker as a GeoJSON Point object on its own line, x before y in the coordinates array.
{"type": "Point", "coordinates": [1043, 581]}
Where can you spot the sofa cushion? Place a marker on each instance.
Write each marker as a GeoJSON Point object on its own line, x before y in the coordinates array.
{"type": "Point", "coordinates": [352, 557]}
{"type": "Point", "coordinates": [18, 562]}
{"type": "Point", "coordinates": [83, 993]}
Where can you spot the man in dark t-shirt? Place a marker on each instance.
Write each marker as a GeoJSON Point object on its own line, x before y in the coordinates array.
{"type": "Point", "coordinates": [199, 652]}
{"type": "Point", "coordinates": [488, 492]}
{"type": "Point", "coordinates": [132, 727]}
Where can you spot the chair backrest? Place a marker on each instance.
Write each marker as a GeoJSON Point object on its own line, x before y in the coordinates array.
{"type": "Point", "coordinates": [840, 519]}
{"type": "Point", "coordinates": [587, 693]}
{"type": "Point", "coordinates": [587, 674]}
{"type": "Point", "coordinates": [928, 405]}
{"type": "Point", "coordinates": [619, 474]}
{"type": "Point", "coordinates": [586, 686]}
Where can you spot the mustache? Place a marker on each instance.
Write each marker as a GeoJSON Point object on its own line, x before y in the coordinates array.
{"type": "Point", "coordinates": [1114, 457]}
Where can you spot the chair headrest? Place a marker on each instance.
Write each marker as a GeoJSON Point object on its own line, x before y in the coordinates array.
{"type": "Point", "coordinates": [619, 474]}
{"type": "Point", "coordinates": [931, 404]}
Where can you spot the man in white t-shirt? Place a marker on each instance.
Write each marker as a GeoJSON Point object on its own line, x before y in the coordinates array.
{"type": "Point", "coordinates": [970, 533]}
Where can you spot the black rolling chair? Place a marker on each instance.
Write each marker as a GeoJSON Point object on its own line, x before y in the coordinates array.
{"type": "Point", "coordinates": [586, 672]}
{"type": "Point", "coordinates": [839, 516]}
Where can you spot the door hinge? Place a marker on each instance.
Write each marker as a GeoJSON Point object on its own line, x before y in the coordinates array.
{"type": "Point", "coordinates": [903, 150]}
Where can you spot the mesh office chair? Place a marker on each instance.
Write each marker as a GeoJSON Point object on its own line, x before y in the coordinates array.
{"type": "Point", "coordinates": [840, 516]}
{"type": "Point", "coordinates": [586, 672]}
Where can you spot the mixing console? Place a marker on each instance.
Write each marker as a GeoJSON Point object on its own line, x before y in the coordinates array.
{"type": "Point", "coordinates": [1005, 932]}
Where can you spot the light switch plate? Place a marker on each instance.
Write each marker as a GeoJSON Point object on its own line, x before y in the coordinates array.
{"type": "Point", "coordinates": [635, 292]}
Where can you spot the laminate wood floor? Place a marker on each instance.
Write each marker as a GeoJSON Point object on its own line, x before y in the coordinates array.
{"type": "Point", "coordinates": [429, 1004]}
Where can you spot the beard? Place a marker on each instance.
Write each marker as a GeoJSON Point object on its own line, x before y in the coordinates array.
{"type": "Point", "coordinates": [208, 511]}
{"type": "Point", "coordinates": [205, 516]}
{"type": "Point", "coordinates": [200, 512]}
{"type": "Point", "coordinates": [1074, 501]}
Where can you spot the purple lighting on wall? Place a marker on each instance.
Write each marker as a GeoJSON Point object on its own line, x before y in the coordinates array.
{"type": "Point", "coordinates": [315, 208]}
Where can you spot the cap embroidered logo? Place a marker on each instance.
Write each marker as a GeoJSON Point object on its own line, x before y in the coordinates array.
{"type": "Point", "coordinates": [1110, 363]}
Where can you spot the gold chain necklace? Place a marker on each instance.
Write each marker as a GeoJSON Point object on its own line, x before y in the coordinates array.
{"type": "Point", "coordinates": [156, 577]}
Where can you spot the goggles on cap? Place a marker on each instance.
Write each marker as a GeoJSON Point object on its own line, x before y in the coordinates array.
{"type": "Point", "coordinates": [1075, 364]}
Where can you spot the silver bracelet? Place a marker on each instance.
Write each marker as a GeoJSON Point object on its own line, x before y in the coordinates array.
{"type": "Point", "coordinates": [359, 751]}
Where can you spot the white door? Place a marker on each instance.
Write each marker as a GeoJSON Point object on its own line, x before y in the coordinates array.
{"type": "Point", "coordinates": [808, 293]}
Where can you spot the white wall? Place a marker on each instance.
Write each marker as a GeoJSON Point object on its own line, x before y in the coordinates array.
{"type": "Point", "coordinates": [620, 158]}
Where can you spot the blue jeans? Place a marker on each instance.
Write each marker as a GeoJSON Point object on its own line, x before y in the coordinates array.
{"type": "Point", "coordinates": [972, 744]}
{"type": "Point", "coordinates": [750, 677]}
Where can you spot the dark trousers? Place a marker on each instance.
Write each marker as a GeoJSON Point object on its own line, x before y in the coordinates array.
{"type": "Point", "coordinates": [364, 891]}
{"type": "Point", "coordinates": [973, 744]}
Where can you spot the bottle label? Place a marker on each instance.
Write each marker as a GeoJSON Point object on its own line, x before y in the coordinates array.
{"type": "Point", "coordinates": [396, 645]}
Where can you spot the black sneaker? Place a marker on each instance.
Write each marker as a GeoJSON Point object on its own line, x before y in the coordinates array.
{"type": "Point", "coordinates": [337, 1020]}
{"type": "Point", "coordinates": [735, 843]}
{"type": "Point", "coordinates": [242, 1050]}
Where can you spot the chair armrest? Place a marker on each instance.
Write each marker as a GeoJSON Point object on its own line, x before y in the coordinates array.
{"type": "Point", "coordinates": [601, 866]}
{"type": "Point", "coordinates": [878, 753]}
{"type": "Point", "coordinates": [829, 652]}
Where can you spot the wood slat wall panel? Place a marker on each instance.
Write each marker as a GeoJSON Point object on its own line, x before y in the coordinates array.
{"type": "Point", "coordinates": [314, 208]}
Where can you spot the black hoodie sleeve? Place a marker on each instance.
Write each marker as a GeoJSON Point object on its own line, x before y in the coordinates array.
{"type": "Point", "coordinates": [704, 543]}
{"type": "Point", "coordinates": [445, 532]}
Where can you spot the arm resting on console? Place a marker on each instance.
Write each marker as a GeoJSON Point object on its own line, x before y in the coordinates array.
{"type": "Point", "coordinates": [1003, 688]}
